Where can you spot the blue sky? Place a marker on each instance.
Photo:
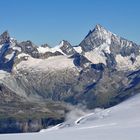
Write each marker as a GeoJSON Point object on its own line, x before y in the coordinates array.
{"type": "Point", "coordinates": [50, 21]}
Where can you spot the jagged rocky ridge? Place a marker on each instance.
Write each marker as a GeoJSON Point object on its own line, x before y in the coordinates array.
{"type": "Point", "coordinates": [101, 71]}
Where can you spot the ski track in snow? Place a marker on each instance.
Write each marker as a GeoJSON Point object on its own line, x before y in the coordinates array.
{"type": "Point", "coordinates": [98, 126]}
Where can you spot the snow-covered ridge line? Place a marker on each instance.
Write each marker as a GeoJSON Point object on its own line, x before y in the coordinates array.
{"type": "Point", "coordinates": [53, 49]}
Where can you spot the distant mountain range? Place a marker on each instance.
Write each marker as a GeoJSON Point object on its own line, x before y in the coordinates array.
{"type": "Point", "coordinates": [39, 84]}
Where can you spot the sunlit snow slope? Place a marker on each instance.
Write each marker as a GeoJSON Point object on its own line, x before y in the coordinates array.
{"type": "Point", "coordinates": [121, 122]}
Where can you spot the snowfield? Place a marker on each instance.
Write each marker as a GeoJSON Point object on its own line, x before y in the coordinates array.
{"type": "Point", "coordinates": [121, 122]}
{"type": "Point", "coordinates": [51, 63]}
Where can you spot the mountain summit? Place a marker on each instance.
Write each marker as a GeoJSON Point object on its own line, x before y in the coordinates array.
{"type": "Point", "coordinates": [96, 37]}
{"type": "Point", "coordinates": [4, 37]}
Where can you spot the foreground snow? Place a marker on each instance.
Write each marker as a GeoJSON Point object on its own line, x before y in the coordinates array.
{"type": "Point", "coordinates": [121, 122]}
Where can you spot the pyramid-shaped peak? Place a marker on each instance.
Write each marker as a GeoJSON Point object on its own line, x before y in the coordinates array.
{"type": "Point", "coordinates": [99, 30]}
{"type": "Point", "coordinates": [99, 27]}
{"type": "Point", "coordinates": [64, 43]}
{"type": "Point", "coordinates": [96, 37]}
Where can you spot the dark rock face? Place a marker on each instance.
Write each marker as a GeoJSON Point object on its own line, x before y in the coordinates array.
{"type": "Point", "coordinates": [5, 37]}
{"type": "Point", "coordinates": [18, 115]}
{"type": "Point", "coordinates": [6, 65]}
{"type": "Point", "coordinates": [7, 95]}
{"type": "Point", "coordinates": [29, 48]}
{"type": "Point", "coordinates": [99, 66]}
{"type": "Point", "coordinates": [111, 62]}
{"type": "Point", "coordinates": [94, 38]}
{"type": "Point", "coordinates": [67, 48]}
{"type": "Point", "coordinates": [79, 60]}
{"type": "Point", "coordinates": [11, 125]}
{"type": "Point", "coordinates": [49, 54]}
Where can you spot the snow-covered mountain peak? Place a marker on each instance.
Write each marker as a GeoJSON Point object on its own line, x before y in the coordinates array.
{"type": "Point", "coordinates": [96, 37]}
{"type": "Point", "coordinates": [63, 43]}
{"type": "Point", "coordinates": [102, 33]}
{"type": "Point", "coordinates": [60, 44]}
{"type": "Point", "coordinates": [66, 47]}
{"type": "Point", "coordinates": [99, 27]}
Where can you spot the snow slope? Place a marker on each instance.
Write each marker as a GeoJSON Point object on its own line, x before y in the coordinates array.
{"type": "Point", "coordinates": [97, 55]}
{"type": "Point", "coordinates": [53, 50]}
{"type": "Point", "coordinates": [125, 63]}
{"type": "Point", "coordinates": [52, 63]}
{"type": "Point", "coordinates": [121, 122]}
